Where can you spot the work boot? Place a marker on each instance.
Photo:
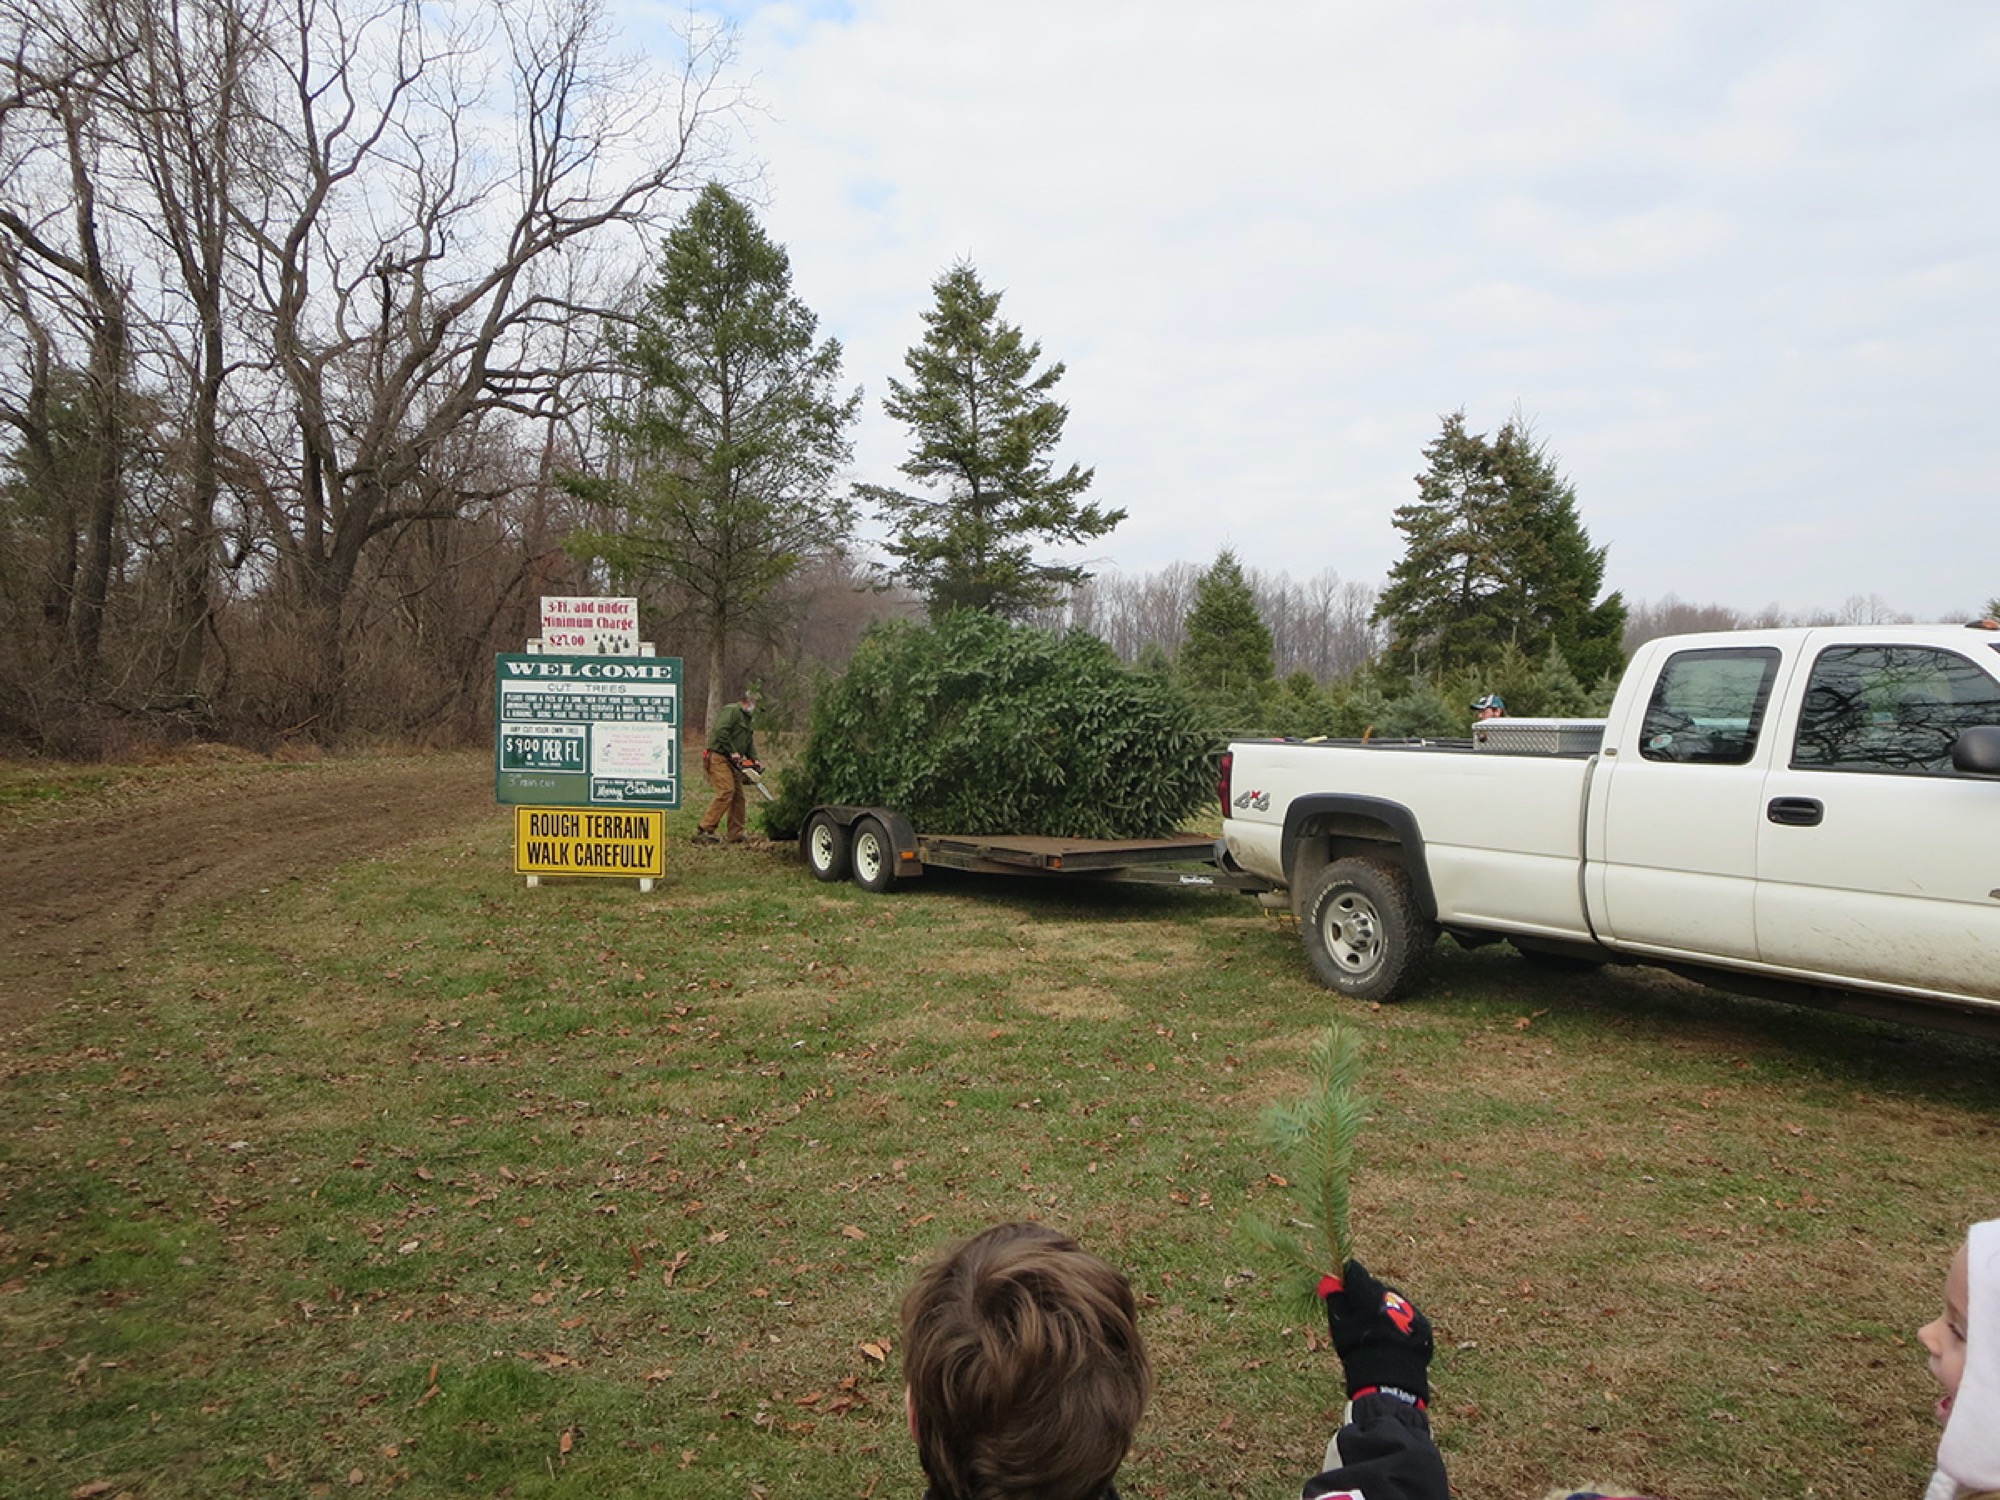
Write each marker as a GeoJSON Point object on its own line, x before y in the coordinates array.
{"type": "Point", "coordinates": [703, 836]}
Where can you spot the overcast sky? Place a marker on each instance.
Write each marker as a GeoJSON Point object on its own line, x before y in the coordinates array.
{"type": "Point", "coordinates": [1738, 263]}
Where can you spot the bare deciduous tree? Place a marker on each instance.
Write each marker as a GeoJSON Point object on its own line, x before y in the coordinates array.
{"type": "Point", "coordinates": [407, 257]}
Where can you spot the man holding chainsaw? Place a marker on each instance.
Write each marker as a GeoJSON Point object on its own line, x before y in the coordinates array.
{"type": "Point", "coordinates": [732, 750]}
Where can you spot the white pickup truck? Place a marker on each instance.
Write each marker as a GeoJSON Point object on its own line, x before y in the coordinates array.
{"type": "Point", "coordinates": [1809, 813]}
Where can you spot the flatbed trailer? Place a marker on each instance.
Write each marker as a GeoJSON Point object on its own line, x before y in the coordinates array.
{"type": "Point", "coordinates": [880, 848]}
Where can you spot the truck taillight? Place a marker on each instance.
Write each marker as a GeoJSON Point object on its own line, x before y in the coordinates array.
{"type": "Point", "coordinates": [1222, 784]}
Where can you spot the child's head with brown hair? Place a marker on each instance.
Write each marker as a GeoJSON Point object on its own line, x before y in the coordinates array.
{"type": "Point", "coordinates": [1024, 1367]}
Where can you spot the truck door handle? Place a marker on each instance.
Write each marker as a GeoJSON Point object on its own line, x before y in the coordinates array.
{"type": "Point", "coordinates": [1797, 812]}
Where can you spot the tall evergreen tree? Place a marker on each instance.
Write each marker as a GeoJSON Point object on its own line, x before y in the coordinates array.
{"type": "Point", "coordinates": [734, 430]}
{"type": "Point", "coordinates": [1441, 592]}
{"type": "Point", "coordinates": [1558, 573]}
{"type": "Point", "coordinates": [1495, 558]}
{"type": "Point", "coordinates": [984, 426]}
{"type": "Point", "coordinates": [1228, 648]}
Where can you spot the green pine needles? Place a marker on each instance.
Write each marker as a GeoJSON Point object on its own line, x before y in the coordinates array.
{"type": "Point", "coordinates": [1314, 1138]}
{"type": "Point", "coordinates": [977, 726]}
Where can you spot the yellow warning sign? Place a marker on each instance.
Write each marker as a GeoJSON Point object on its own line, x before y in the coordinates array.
{"type": "Point", "coordinates": [577, 841]}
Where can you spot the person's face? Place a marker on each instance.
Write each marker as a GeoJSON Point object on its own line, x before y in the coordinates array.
{"type": "Point", "coordinates": [1489, 713]}
{"type": "Point", "coordinates": [1943, 1337]}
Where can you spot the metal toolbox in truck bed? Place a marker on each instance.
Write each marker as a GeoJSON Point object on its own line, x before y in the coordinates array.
{"type": "Point", "coordinates": [1540, 736]}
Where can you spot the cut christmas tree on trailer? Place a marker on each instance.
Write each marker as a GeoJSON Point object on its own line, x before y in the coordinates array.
{"type": "Point", "coordinates": [982, 727]}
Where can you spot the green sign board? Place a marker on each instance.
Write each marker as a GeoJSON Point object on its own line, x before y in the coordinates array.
{"type": "Point", "coordinates": [587, 731]}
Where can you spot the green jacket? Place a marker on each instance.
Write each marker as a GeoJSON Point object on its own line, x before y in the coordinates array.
{"type": "Point", "coordinates": [730, 733]}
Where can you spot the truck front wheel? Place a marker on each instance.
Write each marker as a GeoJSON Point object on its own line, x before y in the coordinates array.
{"type": "Point", "coordinates": [1363, 930]}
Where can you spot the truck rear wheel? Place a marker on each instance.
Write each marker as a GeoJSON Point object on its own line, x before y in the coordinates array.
{"type": "Point", "coordinates": [1363, 930]}
{"type": "Point", "coordinates": [874, 856]}
{"type": "Point", "coordinates": [825, 845]}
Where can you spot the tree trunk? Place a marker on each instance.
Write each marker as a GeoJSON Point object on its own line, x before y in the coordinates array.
{"type": "Point", "coordinates": [105, 492]}
{"type": "Point", "coordinates": [718, 651]}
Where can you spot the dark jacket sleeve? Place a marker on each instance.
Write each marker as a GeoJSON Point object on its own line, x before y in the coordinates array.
{"type": "Point", "coordinates": [1385, 1452]}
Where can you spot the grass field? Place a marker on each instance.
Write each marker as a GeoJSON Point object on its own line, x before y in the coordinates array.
{"type": "Point", "coordinates": [405, 1176]}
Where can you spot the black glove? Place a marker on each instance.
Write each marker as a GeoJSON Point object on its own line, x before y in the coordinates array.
{"type": "Point", "coordinates": [1383, 1342]}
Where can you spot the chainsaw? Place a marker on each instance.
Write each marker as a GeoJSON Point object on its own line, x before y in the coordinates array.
{"type": "Point", "coordinates": [753, 774]}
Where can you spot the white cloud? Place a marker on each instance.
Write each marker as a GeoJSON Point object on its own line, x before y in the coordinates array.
{"type": "Point", "coordinates": [1738, 263]}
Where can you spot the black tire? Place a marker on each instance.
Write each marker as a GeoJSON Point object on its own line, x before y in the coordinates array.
{"type": "Point", "coordinates": [1363, 931]}
{"type": "Point", "coordinates": [874, 856]}
{"type": "Point", "coordinates": [826, 847]}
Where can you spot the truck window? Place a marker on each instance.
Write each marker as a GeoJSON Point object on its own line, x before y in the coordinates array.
{"type": "Point", "coordinates": [1707, 706]}
{"type": "Point", "coordinates": [1890, 708]}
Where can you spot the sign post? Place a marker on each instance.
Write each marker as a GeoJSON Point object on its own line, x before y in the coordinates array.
{"type": "Point", "coordinates": [592, 745]}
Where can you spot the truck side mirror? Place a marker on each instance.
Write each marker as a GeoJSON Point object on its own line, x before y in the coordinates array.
{"type": "Point", "coordinates": [1976, 751]}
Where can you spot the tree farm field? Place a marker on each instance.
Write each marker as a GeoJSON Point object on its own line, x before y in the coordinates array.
{"type": "Point", "coordinates": [362, 1168]}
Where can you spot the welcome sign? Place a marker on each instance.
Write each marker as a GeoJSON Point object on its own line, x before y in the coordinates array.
{"type": "Point", "coordinates": [587, 731]}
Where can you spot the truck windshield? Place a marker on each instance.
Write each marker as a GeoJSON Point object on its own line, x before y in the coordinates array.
{"type": "Point", "coordinates": [1707, 706]}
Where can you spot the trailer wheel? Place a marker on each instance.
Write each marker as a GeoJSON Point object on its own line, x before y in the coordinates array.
{"type": "Point", "coordinates": [825, 845]}
{"type": "Point", "coordinates": [874, 856]}
{"type": "Point", "coordinates": [1363, 931]}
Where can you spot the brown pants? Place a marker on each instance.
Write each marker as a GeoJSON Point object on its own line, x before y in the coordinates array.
{"type": "Point", "coordinates": [729, 798]}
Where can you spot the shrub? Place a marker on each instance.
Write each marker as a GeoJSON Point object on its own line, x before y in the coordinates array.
{"type": "Point", "coordinates": [976, 726]}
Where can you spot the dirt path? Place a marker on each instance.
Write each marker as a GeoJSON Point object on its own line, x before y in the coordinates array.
{"type": "Point", "coordinates": [81, 893]}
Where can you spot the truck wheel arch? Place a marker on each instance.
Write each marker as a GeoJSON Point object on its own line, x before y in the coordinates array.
{"type": "Point", "coordinates": [1324, 827]}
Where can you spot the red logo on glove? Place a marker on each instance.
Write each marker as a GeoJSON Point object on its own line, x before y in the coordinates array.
{"type": "Point", "coordinates": [1400, 1312]}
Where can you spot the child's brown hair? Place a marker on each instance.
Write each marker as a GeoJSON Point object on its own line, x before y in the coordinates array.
{"type": "Point", "coordinates": [1025, 1369]}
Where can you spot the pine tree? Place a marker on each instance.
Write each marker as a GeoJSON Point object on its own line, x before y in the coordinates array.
{"type": "Point", "coordinates": [1558, 572]}
{"type": "Point", "coordinates": [984, 427]}
{"type": "Point", "coordinates": [1496, 558]}
{"type": "Point", "coordinates": [1441, 596]}
{"type": "Point", "coordinates": [733, 432]}
{"type": "Point", "coordinates": [1228, 646]}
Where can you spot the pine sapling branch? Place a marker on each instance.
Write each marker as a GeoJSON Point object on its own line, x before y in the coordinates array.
{"type": "Point", "coordinates": [1315, 1137]}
